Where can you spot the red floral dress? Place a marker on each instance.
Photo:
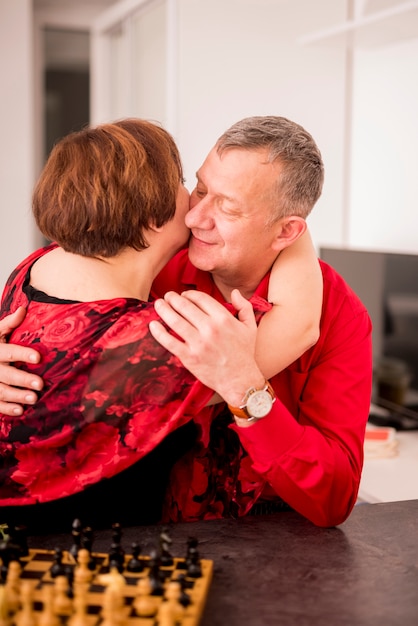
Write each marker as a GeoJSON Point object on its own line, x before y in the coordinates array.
{"type": "Point", "coordinates": [111, 393]}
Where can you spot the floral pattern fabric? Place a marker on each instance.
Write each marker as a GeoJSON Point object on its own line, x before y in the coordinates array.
{"type": "Point", "coordinates": [111, 393]}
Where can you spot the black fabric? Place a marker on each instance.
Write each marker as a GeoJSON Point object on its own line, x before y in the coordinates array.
{"type": "Point", "coordinates": [267, 507]}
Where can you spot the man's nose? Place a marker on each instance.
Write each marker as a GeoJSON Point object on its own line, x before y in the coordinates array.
{"type": "Point", "coordinates": [199, 215]}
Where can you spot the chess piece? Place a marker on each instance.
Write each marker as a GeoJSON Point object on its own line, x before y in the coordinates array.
{"type": "Point", "coordinates": [12, 586]}
{"type": "Point", "coordinates": [166, 558]}
{"type": "Point", "coordinates": [79, 617]}
{"type": "Point", "coordinates": [112, 579]}
{"type": "Point", "coordinates": [116, 556]}
{"type": "Point", "coordinates": [165, 615]}
{"type": "Point", "coordinates": [114, 612]}
{"type": "Point", "coordinates": [18, 536]}
{"type": "Point", "coordinates": [116, 532]}
{"type": "Point", "coordinates": [157, 587]}
{"type": "Point", "coordinates": [82, 574]}
{"type": "Point", "coordinates": [135, 564]}
{"type": "Point", "coordinates": [4, 608]}
{"type": "Point", "coordinates": [47, 616]}
{"type": "Point", "coordinates": [184, 598]}
{"type": "Point", "coordinates": [26, 615]}
{"type": "Point", "coordinates": [116, 552]}
{"type": "Point", "coordinates": [9, 551]}
{"type": "Point", "coordinates": [172, 597]}
{"type": "Point", "coordinates": [76, 533]}
{"type": "Point", "coordinates": [144, 604]}
{"type": "Point", "coordinates": [57, 568]}
{"type": "Point", "coordinates": [86, 541]}
{"type": "Point", "coordinates": [194, 569]}
{"type": "Point", "coordinates": [63, 605]}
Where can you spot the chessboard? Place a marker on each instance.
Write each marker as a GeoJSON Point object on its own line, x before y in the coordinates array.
{"type": "Point", "coordinates": [56, 588]}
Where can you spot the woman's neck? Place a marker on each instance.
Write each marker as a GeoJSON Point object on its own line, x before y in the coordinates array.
{"type": "Point", "coordinates": [69, 276]}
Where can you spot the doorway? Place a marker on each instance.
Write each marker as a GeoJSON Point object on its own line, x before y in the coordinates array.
{"type": "Point", "coordinates": [66, 84]}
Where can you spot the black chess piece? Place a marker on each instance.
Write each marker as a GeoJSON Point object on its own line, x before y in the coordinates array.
{"type": "Point", "coordinates": [135, 564]}
{"type": "Point", "coordinates": [57, 567]}
{"type": "Point", "coordinates": [116, 533]}
{"type": "Point", "coordinates": [184, 598]}
{"type": "Point", "coordinates": [154, 574]}
{"type": "Point", "coordinates": [86, 541]}
{"type": "Point", "coordinates": [166, 558]}
{"type": "Point", "coordinates": [116, 557]}
{"type": "Point", "coordinates": [18, 535]}
{"type": "Point", "coordinates": [69, 574]}
{"type": "Point", "coordinates": [76, 530]}
{"type": "Point", "coordinates": [194, 569]}
{"type": "Point", "coordinates": [10, 550]}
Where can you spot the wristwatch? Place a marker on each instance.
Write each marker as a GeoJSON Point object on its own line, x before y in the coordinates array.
{"type": "Point", "coordinates": [256, 404]}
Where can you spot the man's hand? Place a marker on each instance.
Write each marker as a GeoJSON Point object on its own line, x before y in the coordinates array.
{"type": "Point", "coordinates": [214, 345]}
{"type": "Point", "coordinates": [15, 385]}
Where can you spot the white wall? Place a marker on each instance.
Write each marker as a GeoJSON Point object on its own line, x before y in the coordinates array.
{"type": "Point", "coordinates": [384, 202]}
{"type": "Point", "coordinates": [17, 134]}
{"type": "Point", "coordinates": [243, 57]}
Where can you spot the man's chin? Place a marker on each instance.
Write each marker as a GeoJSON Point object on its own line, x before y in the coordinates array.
{"type": "Point", "coordinates": [199, 261]}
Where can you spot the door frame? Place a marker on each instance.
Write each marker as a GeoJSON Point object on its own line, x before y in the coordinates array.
{"type": "Point", "coordinates": [120, 16]}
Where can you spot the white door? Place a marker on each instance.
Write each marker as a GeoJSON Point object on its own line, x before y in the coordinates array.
{"type": "Point", "coordinates": [134, 61]}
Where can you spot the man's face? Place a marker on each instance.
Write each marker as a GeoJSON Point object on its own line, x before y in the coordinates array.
{"type": "Point", "coordinates": [229, 210]}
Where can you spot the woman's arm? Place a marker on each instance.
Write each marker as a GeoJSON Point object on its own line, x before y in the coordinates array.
{"type": "Point", "coordinates": [295, 290]}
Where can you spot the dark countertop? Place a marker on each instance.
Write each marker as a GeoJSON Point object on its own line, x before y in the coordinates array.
{"type": "Point", "coordinates": [280, 570]}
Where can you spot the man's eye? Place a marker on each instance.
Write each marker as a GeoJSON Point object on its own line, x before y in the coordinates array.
{"type": "Point", "coordinates": [200, 193]}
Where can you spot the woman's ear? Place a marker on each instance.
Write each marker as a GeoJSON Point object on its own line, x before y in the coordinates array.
{"type": "Point", "coordinates": [289, 229]}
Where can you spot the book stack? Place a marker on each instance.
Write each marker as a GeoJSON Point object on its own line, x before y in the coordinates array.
{"type": "Point", "coordinates": [380, 442]}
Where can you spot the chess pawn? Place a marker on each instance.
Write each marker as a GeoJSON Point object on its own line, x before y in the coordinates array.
{"type": "Point", "coordinates": [47, 616]}
{"type": "Point", "coordinates": [194, 569]}
{"type": "Point", "coordinates": [172, 597]}
{"type": "Point", "coordinates": [63, 605]}
{"type": "Point", "coordinates": [26, 615]}
{"type": "Point", "coordinates": [82, 573]}
{"type": "Point", "coordinates": [144, 603]}
{"type": "Point", "coordinates": [184, 597]}
{"type": "Point", "coordinates": [76, 533]}
{"type": "Point", "coordinates": [12, 586]}
{"type": "Point", "coordinates": [57, 568]}
{"type": "Point", "coordinates": [114, 612]}
{"type": "Point", "coordinates": [113, 579]}
{"type": "Point", "coordinates": [165, 615]}
{"type": "Point", "coordinates": [4, 608]}
{"type": "Point", "coordinates": [79, 617]}
{"type": "Point", "coordinates": [135, 564]}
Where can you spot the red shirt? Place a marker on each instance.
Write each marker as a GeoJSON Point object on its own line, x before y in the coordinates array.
{"type": "Point", "coordinates": [309, 449]}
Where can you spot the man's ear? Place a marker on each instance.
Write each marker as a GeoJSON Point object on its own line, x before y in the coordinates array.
{"type": "Point", "coordinates": [289, 229]}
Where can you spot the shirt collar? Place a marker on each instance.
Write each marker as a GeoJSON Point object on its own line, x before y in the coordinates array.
{"type": "Point", "coordinates": [203, 281]}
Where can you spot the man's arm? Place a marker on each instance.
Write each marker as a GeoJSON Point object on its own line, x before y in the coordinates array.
{"type": "Point", "coordinates": [309, 448]}
{"type": "Point", "coordinates": [16, 385]}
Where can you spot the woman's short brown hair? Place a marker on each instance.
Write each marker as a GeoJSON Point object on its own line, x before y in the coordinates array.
{"type": "Point", "coordinates": [102, 188]}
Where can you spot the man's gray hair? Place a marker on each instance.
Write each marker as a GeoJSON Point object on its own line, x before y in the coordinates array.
{"type": "Point", "coordinates": [302, 174]}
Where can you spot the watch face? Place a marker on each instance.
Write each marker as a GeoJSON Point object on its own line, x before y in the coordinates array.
{"type": "Point", "coordinates": [259, 403]}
